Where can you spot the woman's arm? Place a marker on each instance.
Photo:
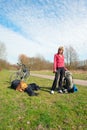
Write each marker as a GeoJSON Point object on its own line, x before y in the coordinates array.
{"type": "Point", "coordinates": [55, 64]}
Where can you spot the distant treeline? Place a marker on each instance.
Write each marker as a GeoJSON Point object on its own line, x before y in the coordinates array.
{"type": "Point", "coordinates": [39, 63]}
{"type": "Point", "coordinates": [35, 63]}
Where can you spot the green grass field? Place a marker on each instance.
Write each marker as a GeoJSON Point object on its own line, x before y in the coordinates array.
{"type": "Point", "coordinates": [18, 111]}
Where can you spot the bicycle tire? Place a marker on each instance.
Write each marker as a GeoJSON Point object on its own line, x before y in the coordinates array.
{"type": "Point", "coordinates": [14, 76]}
{"type": "Point", "coordinates": [27, 76]}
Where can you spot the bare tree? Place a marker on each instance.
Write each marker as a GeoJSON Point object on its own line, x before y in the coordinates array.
{"type": "Point", "coordinates": [3, 62]}
{"type": "Point", "coordinates": [71, 56]}
{"type": "Point", "coordinates": [66, 55]}
{"type": "Point", "coordinates": [23, 59]}
{"type": "Point", "coordinates": [2, 51]}
{"type": "Point", "coordinates": [35, 63]}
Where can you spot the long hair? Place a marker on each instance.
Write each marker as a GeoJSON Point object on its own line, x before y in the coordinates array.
{"type": "Point", "coordinates": [60, 48]}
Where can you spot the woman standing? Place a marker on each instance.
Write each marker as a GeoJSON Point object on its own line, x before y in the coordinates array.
{"type": "Point", "coordinates": [58, 70]}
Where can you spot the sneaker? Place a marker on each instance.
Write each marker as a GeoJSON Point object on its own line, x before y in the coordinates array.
{"type": "Point", "coordinates": [64, 90]}
{"type": "Point", "coordinates": [52, 92]}
{"type": "Point", "coordinates": [60, 91]}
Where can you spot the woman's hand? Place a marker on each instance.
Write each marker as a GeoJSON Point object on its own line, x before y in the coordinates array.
{"type": "Point", "coordinates": [54, 71]}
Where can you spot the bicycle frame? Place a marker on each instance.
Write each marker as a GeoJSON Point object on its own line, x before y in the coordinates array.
{"type": "Point", "coordinates": [22, 74]}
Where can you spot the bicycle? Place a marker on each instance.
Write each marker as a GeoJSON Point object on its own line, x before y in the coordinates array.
{"type": "Point", "coordinates": [22, 74]}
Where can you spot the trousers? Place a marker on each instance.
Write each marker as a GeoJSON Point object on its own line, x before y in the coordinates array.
{"type": "Point", "coordinates": [58, 78]}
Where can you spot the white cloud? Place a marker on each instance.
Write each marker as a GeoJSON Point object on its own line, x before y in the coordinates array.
{"type": "Point", "coordinates": [46, 25]}
{"type": "Point", "coordinates": [16, 44]}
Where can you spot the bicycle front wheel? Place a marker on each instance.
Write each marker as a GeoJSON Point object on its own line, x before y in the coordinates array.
{"type": "Point", "coordinates": [14, 76]}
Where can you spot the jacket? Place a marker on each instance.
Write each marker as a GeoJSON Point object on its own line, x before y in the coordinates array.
{"type": "Point", "coordinates": [58, 62]}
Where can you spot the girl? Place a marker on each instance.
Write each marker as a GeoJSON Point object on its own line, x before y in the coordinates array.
{"type": "Point", "coordinates": [58, 70]}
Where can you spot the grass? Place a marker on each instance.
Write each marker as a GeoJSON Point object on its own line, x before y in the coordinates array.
{"type": "Point", "coordinates": [76, 74]}
{"type": "Point", "coordinates": [80, 75]}
{"type": "Point", "coordinates": [18, 111]}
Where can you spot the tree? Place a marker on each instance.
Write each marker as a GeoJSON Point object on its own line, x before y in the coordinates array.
{"type": "Point", "coordinates": [35, 63]}
{"type": "Point", "coordinates": [23, 59]}
{"type": "Point", "coordinates": [71, 56]}
{"type": "Point", "coordinates": [2, 51]}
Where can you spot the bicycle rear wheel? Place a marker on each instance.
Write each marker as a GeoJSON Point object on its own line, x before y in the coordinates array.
{"type": "Point", "coordinates": [14, 76]}
{"type": "Point", "coordinates": [26, 76]}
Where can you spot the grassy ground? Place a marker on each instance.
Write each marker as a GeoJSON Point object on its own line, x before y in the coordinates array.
{"type": "Point", "coordinates": [18, 111]}
{"type": "Point", "coordinates": [76, 74]}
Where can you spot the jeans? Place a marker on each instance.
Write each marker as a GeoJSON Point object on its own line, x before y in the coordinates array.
{"type": "Point", "coordinates": [58, 78]}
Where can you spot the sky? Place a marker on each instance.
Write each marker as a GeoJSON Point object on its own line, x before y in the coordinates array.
{"type": "Point", "coordinates": [39, 27]}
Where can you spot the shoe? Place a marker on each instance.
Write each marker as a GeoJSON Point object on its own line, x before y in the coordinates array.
{"type": "Point", "coordinates": [52, 92]}
{"type": "Point", "coordinates": [65, 91]}
{"type": "Point", "coordinates": [60, 91]}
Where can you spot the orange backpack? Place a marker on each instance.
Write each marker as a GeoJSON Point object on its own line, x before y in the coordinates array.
{"type": "Point", "coordinates": [22, 86]}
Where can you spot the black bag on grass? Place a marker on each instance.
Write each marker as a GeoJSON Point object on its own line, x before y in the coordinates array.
{"type": "Point", "coordinates": [30, 91]}
{"type": "Point", "coordinates": [15, 83]}
{"type": "Point", "coordinates": [34, 86]}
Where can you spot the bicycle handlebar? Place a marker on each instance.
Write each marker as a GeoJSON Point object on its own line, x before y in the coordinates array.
{"type": "Point", "coordinates": [20, 64]}
{"type": "Point", "coordinates": [23, 65]}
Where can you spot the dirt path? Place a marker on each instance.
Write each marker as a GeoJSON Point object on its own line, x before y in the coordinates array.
{"type": "Point", "coordinates": [76, 81]}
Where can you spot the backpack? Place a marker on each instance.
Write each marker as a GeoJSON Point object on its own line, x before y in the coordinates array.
{"type": "Point", "coordinates": [74, 89]}
{"type": "Point", "coordinates": [34, 86]}
{"type": "Point", "coordinates": [21, 86]}
{"type": "Point", "coordinates": [68, 82]}
{"type": "Point", "coordinates": [14, 84]}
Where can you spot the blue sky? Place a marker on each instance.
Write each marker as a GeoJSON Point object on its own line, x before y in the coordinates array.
{"type": "Point", "coordinates": [39, 27]}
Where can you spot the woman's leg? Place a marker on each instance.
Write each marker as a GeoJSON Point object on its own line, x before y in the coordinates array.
{"type": "Point", "coordinates": [55, 79]}
{"type": "Point", "coordinates": [62, 72]}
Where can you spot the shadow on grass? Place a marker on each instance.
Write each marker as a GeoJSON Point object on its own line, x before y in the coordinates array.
{"type": "Point", "coordinates": [8, 82]}
{"type": "Point", "coordinates": [46, 89]}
